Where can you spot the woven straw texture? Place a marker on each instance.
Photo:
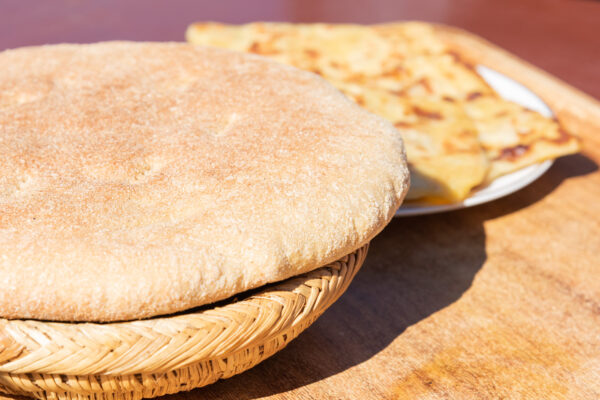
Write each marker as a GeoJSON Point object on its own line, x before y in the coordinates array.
{"type": "Point", "coordinates": [149, 358]}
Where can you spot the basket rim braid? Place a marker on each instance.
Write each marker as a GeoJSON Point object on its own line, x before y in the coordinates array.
{"type": "Point", "coordinates": [167, 354]}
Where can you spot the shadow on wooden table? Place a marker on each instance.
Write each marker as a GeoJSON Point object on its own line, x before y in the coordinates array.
{"type": "Point", "coordinates": [415, 267]}
{"type": "Point", "coordinates": [564, 168]}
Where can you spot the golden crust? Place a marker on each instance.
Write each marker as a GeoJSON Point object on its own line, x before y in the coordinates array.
{"type": "Point", "coordinates": [140, 179]}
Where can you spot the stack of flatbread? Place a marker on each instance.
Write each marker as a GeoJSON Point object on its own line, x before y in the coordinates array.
{"type": "Point", "coordinates": [459, 134]}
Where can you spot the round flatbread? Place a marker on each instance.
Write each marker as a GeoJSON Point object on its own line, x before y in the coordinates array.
{"type": "Point", "coordinates": [140, 179]}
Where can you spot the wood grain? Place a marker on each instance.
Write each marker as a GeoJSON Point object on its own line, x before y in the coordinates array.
{"type": "Point", "coordinates": [498, 301]}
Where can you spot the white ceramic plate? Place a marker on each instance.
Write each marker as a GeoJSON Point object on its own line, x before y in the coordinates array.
{"type": "Point", "coordinates": [511, 90]}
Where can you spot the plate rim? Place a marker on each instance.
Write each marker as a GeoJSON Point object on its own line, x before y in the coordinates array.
{"type": "Point", "coordinates": [535, 170]}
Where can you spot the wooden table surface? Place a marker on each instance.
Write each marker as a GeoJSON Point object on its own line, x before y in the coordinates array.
{"type": "Point", "coordinates": [498, 301]}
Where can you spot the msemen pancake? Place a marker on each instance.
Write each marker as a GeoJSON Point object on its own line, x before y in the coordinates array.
{"type": "Point", "coordinates": [459, 134]}
{"type": "Point", "coordinates": [140, 179]}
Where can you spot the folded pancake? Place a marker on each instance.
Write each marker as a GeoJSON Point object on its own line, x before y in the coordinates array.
{"type": "Point", "coordinates": [140, 179]}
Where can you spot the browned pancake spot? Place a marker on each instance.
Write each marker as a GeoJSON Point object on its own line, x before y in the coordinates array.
{"type": "Point", "coordinates": [459, 59]}
{"type": "Point", "coordinates": [474, 95]}
{"type": "Point", "coordinates": [393, 72]}
{"type": "Point", "coordinates": [258, 48]}
{"type": "Point", "coordinates": [312, 53]}
{"type": "Point", "coordinates": [512, 153]}
{"type": "Point", "coordinates": [427, 114]}
{"type": "Point", "coordinates": [424, 82]}
{"type": "Point", "coordinates": [402, 124]}
{"type": "Point", "coordinates": [563, 137]}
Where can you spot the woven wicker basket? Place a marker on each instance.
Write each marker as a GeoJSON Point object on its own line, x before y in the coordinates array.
{"type": "Point", "coordinates": [153, 357]}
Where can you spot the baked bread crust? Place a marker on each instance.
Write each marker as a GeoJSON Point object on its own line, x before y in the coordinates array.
{"type": "Point", "coordinates": [140, 179]}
